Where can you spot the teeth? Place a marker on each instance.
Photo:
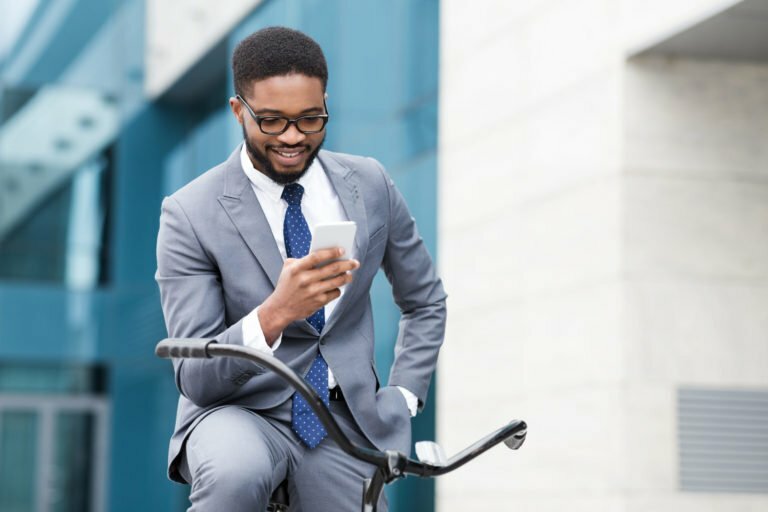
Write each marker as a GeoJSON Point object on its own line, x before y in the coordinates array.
{"type": "Point", "coordinates": [288, 155]}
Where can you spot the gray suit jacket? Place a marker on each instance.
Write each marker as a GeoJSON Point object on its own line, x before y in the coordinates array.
{"type": "Point", "coordinates": [217, 260]}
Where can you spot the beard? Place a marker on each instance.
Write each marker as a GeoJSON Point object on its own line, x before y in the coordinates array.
{"type": "Point", "coordinates": [264, 165]}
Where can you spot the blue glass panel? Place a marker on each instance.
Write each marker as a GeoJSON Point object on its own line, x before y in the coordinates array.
{"type": "Point", "coordinates": [67, 33]}
{"type": "Point", "coordinates": [71, 484]}
{"type": "Point", "coordinates": [18, 433]}
{"type": "Point", "coordinates": [51, 378]}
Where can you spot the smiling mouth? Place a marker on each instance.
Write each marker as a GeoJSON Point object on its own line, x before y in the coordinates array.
{"type": "Point", "coordinates": [287, 154]}
{"type": "Point", "coordinates": [289, 157]}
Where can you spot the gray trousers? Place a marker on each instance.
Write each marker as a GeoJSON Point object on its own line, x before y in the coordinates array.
{"type": "Point", "coordinates": [236, 457]}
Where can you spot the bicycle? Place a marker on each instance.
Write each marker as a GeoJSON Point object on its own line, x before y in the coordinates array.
{"type": "Point", "coordinates": [391, 465]}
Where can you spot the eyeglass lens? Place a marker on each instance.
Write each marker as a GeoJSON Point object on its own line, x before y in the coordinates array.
{"type": "Point", "coordinates": [276, 125]}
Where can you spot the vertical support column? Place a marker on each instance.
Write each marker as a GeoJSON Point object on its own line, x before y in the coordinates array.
{"type": "Point", "coordinates": [45, 457]}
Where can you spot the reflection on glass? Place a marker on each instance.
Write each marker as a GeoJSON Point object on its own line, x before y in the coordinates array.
{"type": "Point", "coordinates": [71, 476]}
{"type": "Point", "coordinates": [54, 165]}
{"type": "Point", "coordinates": [51, 378]}
{"type": "Point", "coordinates": [87, 213]}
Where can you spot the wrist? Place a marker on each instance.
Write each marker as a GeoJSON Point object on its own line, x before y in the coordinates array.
{"type": "Point", "coordinates": [272, 322]}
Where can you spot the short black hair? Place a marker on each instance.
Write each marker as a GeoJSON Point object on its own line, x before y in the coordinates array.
{"type": "Point", "coordinates": [277, 51]}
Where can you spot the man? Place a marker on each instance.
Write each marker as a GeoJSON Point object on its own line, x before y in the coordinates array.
{"type": "Point", "coordinates": [233, 265]}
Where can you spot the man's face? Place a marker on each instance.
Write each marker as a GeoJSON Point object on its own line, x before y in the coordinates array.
{"type": "Point", "coordinates": [283, 158]}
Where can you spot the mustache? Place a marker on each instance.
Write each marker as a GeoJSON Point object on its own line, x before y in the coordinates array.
{"type": "Point", "coordinates": [295, 146]}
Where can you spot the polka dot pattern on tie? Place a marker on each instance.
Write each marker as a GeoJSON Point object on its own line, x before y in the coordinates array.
{"type": "Point", "coordinates": [304, 421]}
{"type": "Point", "coordinates": [298, 238]}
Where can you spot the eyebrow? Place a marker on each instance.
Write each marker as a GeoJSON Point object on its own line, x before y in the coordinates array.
{"type": "Point", "coordinates": [269, 111]}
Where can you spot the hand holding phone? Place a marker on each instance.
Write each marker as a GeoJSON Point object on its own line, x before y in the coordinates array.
{"type": "Point", "coordinates": [335, 234]}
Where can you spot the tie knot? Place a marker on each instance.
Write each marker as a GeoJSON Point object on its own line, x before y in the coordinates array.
{"type": "Point", "coordinates": [292, 193]}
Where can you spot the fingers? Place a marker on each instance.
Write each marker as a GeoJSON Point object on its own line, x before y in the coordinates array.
{"type": "Point", "coordinates": [334, 269]}
{"type": "Point", "coordinates": [327, 290]}
{"type": "Point", "coordinates": [332, 295]}
{"type": "Point", "coordinates": [310, 287]}
{"type": "Point", "coordinates": [313, 263]}
{"type": "Point", "coordinates": [337, 281]}
{"type": "Point", "coordinates": [314, 259]}
{"type": "Point", "coordinates": [320, 296]}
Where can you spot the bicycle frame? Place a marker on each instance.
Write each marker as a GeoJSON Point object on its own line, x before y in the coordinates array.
{"type": "Point", "coordinates": [390, 464]}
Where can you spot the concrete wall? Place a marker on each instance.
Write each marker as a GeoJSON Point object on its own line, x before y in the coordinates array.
{"type": "Point", "coordinates": [602, 239]}
{"type": "Point", "coordinates": [181, 32]}
{"type": "Point", "coordinates": [695, 199]}
{"type": "Point", "coordinates": [530, 212]}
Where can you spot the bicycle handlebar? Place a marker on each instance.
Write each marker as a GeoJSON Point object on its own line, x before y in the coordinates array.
{"type": "Point", "coordinates": [393, 464]}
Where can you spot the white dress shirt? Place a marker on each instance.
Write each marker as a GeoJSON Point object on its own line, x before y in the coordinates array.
{"type": "Point", "coordinates": [320, 205]}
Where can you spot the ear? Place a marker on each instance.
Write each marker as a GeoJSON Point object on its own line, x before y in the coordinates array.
{"type": "Point", "coordinates": [237, 109]}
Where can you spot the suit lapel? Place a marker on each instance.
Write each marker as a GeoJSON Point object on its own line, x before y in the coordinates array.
{"type": "Point", "coordinates": [345, 182]}
{"type": "Point", "coordinates": [246, 214]}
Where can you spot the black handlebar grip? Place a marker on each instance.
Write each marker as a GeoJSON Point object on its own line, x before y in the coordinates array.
{"type": "Point", "coordinates": [184, 348]}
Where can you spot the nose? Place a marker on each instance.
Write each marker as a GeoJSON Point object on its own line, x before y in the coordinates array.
{"type": "Point", "coordinates": [291, 136]}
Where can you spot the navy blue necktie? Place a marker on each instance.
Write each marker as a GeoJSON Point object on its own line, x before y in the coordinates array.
{"type": "Point", "coordinates": [297, 237]}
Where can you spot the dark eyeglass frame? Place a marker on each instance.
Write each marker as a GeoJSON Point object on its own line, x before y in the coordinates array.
{"type": "Point", "coordinates": [289, 121]}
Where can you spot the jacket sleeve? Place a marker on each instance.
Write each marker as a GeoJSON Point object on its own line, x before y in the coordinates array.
{"type": "Point", "coordinates": [418, 292]}
{"type": "Point", "coordinates": [193, 306]}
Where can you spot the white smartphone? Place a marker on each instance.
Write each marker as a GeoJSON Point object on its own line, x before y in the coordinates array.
{"type": "Point", "coordinates": [335, 234]}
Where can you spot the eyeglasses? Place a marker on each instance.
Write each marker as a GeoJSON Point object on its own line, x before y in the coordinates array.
{"type": "Point", "coordinates": [276, 125]}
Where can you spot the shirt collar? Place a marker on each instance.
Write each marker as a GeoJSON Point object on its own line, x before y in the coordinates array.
{"type": "Point", "coordinates": [274, 190]}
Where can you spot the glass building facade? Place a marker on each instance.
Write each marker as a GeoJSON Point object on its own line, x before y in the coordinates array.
{"type": "Point", "coordinates": [85, 160]}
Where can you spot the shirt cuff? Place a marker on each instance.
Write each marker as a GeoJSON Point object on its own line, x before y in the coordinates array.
{"type": "Point", "coordinates": [410, 399]}
{"type": "Point", "coordinates": [253, 334]}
